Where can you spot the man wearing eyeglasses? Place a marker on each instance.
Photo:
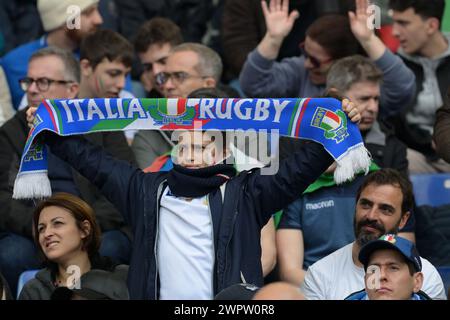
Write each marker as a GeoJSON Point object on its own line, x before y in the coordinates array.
{"type": "Point", "coordinates": [105, 61]}
{"type": "Point", "coordinates": [40, 88]}
{"type": "Point", "coordinates": [52, 74]}
{"type": "Point", "coordinates": [188, 67]}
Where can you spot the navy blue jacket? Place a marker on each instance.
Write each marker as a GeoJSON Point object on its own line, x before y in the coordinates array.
{"type": "Point", "coordinates": [249, 201]}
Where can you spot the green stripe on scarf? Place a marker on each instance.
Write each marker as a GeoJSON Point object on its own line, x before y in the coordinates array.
{"type": "Point", "coordinates": [327, 180]}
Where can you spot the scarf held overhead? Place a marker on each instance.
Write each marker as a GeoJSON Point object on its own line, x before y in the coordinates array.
{"type": "Point", "coordinates": [318, 119]}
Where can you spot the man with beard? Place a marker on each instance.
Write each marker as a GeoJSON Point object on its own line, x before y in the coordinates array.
{"type": "Point", "coordinates": [65, 27]}
{"type": "Point", "coordinates": [383, 205]}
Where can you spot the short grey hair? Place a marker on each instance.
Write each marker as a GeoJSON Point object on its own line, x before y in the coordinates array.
{"type": "Point", "coordinates": [347, 71]}
{"type": "Point", "coordinates": [209, 62]}
{"type": "Point", "coordinates": [71, 64]}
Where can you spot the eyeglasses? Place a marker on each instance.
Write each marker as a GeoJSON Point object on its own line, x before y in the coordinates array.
{"type": "Point", "coordinates": [314, 61]}
{"type": "Point", "coordinates": [177, 77]}
{"type": "Point", "coordinates": [43, 84]}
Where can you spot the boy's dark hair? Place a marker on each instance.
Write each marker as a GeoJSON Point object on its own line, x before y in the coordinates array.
{"type": "Point", "coordinates": [106, 44]}
{"type": "Point", "coordinates": [388, 176]}
{"type": "Point", "coordinates": [157, 31]}
{"type": "Point", "coordinates": [424, 8]}
{"type": "Point", "coordinates": [334, 34]}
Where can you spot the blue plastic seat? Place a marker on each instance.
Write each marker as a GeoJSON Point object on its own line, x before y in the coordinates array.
{"type": "Point", "coordinates": [24, 278]}
{"type": "Point", "coordinates": [431, 189]}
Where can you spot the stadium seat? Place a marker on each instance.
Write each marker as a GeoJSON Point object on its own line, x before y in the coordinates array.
{"type": "Point", "coordinates": [431, 189]}
{"type": "Point", "coordinates": [24, 278]}
{"type": "Point", "coordinates": [445, 275]}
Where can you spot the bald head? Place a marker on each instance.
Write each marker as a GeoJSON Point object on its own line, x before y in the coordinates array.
{"type": "Point", "coordinates": [279, 291]}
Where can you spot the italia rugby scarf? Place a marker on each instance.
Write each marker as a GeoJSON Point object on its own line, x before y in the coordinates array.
{"type": "Point", "coordinates": [321, 120]}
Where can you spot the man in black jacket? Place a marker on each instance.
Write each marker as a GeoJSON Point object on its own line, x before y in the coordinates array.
{"type": "Point", "coordinates": [52, 73]}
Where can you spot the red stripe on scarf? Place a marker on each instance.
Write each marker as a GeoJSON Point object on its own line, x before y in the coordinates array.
{"type": "Point", "coordinates": [297, 129]}
{"type": "Point", "coordinates": [51, 114]}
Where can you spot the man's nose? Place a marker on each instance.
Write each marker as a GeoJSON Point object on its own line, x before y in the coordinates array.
{"type": "Point", "coordinates": [396, 30]}
{"type": "Point", "coordinates": [33, 87]}
{"type": "Point", "coordinates": [372, 214]}
{"type": "Point", "coordinates": [98, 20]}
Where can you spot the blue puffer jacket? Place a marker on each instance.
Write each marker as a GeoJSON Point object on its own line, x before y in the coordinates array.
{"type": "Point", "coordinates": [249, 201]}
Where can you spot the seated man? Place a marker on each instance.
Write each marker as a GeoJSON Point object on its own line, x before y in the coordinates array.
{"type": "Point", "coordinates": [383, 204]}
{"type": "Point", "coordinates": [52, 74]}
{"type": "Point", "coordinates": [393, 270]}
{"type": "Point", "coordinates": [189, 66]}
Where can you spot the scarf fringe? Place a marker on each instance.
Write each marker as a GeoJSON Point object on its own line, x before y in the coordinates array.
{"type": "Point", "coordinates": [32, 185]}
{"type": "Point", "coordinates": [354, 161]}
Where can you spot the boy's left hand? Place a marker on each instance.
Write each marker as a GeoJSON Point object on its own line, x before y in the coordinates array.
{"type": "Point", "coordinates": [351, 110]}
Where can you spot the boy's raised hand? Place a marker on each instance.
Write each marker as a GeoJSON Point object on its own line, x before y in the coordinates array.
{"type": "Point", "coordinates": [351, 110]}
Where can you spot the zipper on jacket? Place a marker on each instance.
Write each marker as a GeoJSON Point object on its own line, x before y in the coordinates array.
{"type": "Point", "coordinates": [155, 249]}
{"type": "Point", "coordinates": [213, 248]}
{"type": "Point", "coordinates": [233, 222]}
{"type": "Point", "coordinates": [243, 278]}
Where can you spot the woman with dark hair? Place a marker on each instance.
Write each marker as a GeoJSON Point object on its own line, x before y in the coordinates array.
{"type": "Point", "coordinates": [68, 237]}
